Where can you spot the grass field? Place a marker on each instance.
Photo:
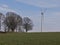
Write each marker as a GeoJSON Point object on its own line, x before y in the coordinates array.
{"type": "Point", "coordinates": [30, 39]}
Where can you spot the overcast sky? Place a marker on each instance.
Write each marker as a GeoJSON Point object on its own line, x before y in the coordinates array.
{"type": "Point", "coordinates": [32, 9]}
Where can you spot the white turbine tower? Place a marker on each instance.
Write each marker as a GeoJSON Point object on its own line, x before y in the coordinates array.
{"type": "Point", "coordinates": [0, 21]}
{"type": "Point", "coordinates": [42, 18]}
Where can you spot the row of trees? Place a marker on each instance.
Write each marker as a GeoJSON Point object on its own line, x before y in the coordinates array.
{"type": "Point", "coordinates": [13, 22]}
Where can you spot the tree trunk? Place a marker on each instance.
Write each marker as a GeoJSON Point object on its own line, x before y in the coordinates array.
{"type": "Point", "coordinates": [12, 30]}
{"type": "Point", "coordinates": [26, 30]}
{"type": "Point", "coordinates": [26, 27]}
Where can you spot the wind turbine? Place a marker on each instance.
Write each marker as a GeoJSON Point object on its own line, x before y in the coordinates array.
{"type": "Point", "coordinates": [0, 21]}
{"type": "Point", "coordinates": [42, 17]}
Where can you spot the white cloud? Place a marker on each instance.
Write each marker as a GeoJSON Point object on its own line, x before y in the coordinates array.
{"type": "Point", "coordinates": [41, 3]}
{"type": "Point", "coordinates": [56, 13]}
{"type": "Point", "coordinates": [4, 5]}
{"type": "Point", "coordinates": [5, 8]}
{"type": "Point", "coordinates": [52, 21]}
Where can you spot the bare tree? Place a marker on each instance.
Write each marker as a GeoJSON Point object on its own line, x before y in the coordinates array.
{"type": "Point", "coordinates": [19, 22]}
{"type": "Point", "coordinates": [12, 20]}
{"type": "Point", "coordinates": [27, 24]}
{"type": "Point", "coordinates": [1, 19]}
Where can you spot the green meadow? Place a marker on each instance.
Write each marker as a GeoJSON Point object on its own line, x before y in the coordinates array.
{"type": "Point", "coordinates": [50, 38]}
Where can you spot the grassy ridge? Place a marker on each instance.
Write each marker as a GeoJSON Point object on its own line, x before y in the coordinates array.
{"type": "Point", "coordinates": [30, 39]}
